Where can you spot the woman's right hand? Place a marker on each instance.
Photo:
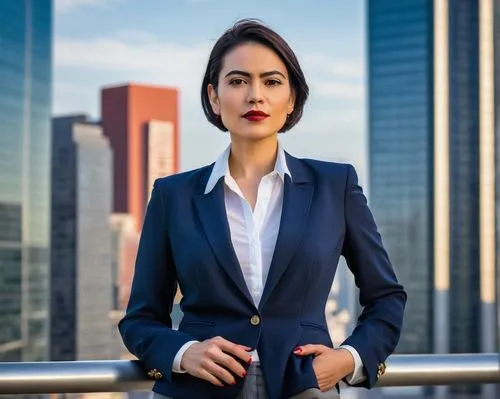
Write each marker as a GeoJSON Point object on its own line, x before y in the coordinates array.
{"type": "Point", "coordinates": [213, 359]}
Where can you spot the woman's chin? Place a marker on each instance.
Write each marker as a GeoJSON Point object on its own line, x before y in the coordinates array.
{"type": "Point", "coordinates": [254, 133]}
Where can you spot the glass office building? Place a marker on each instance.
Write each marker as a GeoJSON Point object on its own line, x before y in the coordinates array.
{"type": "Point", "coordinates": [464, 137]}
{"type": "Point", "coordinates": [25, 94]}
{"type": "Point", "coordinates": [432, 165]}
{"type": "Point", "coordinates": [81, 275]}
{"type": "Point", "coordinates": [400, 148]}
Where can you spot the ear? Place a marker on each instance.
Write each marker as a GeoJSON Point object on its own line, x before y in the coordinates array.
{"type": "Point", "coordinates": [214, 99]}
{"type": "Point", "coordinates": [291, 103]}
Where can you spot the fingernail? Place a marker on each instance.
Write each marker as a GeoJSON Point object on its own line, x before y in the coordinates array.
{"type": "Point", "coordinates": [234, 382]}
{"type": "Point", "coordinates": [250, 361]}
{"type": "Point", "coordinates": [244, 374]}
{"type": "Point", "coordinates": [298, 349]}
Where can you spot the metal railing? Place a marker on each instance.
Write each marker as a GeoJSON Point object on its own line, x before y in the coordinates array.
{"type": "Point", "coordinates": [126, 375]}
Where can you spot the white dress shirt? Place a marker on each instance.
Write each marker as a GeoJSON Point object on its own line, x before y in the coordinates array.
{"type": "Point", "coordinates": [254, 234]}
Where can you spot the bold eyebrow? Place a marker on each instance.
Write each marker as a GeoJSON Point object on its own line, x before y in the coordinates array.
{"type": "Point", "coordinates": [262, 75]}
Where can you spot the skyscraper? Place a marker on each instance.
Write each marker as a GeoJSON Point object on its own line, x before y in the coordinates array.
{"type": "Point", "coordinates": [81, 270]}
{"type": "Point", "coordinates": [432, 165]}
{"type": "Point", "coordinates": [25, 96]}
{"type": "Point", "coordinates": [142, 125]}
{"type": "Point", "coordinates": [400, 111]}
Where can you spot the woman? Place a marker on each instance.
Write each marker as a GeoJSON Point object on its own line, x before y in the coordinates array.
{"type": "Point", "coordinates": [253, 242]}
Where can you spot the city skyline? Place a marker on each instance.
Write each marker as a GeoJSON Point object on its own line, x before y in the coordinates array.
{"type": "Point", "coordinates": [98, 43]}
{"type": "Point", "coordinates": [423, 147]}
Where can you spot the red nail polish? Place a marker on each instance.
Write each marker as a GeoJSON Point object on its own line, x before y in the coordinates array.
{"type": "Point", "coordinates": [298, 349]}
{"type": "Point", "coordinates": [244, 374]}
{"type": "Point", "coordinates": [250, 361]}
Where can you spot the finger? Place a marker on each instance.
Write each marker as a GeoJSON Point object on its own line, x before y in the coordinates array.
{"type": "Point", "coordinates": [230, 363]}
{"type": "Point", "coordinates": [224, 341]}
{"type": "Point", "coordinates": [207, 376]}
{"type": "Point", "coordinates": [237, 350]}
{"type": "Point", "coordinates": [309, 350]}
{"type": "Point", "coordinates": [325, 381]}
{"type": "Point", "coordinates": [322, 382]}
{"type": "Point", "coordinates": [220, 373]}
{"type": "Point", "coordinates": [325, 386]}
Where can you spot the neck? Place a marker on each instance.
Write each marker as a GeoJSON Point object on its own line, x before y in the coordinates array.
{"type": "Point", "coordinates": [253, 159]}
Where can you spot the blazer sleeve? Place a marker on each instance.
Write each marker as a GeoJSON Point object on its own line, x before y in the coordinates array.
{"type": "Point", "coordinates": [383, 299]}
{"type": "Point", "coordinates": [146, 328]}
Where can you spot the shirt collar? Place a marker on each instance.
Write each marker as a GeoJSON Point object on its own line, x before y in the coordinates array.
{"type": "Point", "coordinates": [221, 168]}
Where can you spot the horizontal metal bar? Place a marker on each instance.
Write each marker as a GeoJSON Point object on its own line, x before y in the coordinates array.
{"type": "Point", "coordinates": [73, 377]}
{"type": "Point", "coordinates": [125, 375]}
{"type": "Point", "coordinates": [450, 369]}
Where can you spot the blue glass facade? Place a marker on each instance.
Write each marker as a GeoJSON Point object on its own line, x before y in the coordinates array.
{"type": "Point", "coordinates": [401, 123]}
{"type": "Point", "coordinates": [464, 300]}
{"type": "Point", "coordinates": [25, 94]}
{"type": "Point", "coordinates": [400, 75]}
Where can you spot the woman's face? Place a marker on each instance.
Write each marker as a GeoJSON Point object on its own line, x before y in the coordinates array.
{"type": "Point", "coordinates": [254, 95]}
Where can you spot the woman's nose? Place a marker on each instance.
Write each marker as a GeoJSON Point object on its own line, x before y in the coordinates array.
{"type": "Point", "coordinates": [255, 93]}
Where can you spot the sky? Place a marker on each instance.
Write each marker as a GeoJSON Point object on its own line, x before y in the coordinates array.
{"type": "Point", "coordinates": [167, 42]}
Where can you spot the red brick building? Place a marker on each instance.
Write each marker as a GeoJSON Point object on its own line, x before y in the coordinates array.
{"type": "Point", "coordinates": [142, 123]}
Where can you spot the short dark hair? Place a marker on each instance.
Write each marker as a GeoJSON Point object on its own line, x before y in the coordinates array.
{"type": "Point", "coordinates": [253, 30]}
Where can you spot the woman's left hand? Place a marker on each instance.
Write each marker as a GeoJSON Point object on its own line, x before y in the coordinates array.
{"type": "Point", "coordinates": [330, 365]}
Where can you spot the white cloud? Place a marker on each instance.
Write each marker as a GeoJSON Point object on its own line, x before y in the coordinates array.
{"type": "Point", "coordinates": [139, 53]}
{"type": "Point", "coordinates": [340, 68]}
{"type": "Point", "coordinates": [338, 90]}
{"type": "Point", "coordinates": [83, 66]}
{"type": "Point", "coordinates": [65, 6]}
{"type": "Point", "coordinates": [117, 54]}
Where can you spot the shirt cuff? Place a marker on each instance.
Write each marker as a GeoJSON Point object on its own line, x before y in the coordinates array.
{"type": "Point", "coordinates": [358, 374]}
{"type": "Point", "coordinates": [176, 365]}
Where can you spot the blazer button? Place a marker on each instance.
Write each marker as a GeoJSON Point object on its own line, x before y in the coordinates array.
{"type": "Point", "coordinates": [255, 320]}
{"type": "Point", "coordinates": [155, 374]}
{"type": "Point", "coordinates": [381, 369]}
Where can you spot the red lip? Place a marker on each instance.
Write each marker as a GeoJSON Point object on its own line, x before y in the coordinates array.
{"type": "Point", "coordinates": [255, 113]}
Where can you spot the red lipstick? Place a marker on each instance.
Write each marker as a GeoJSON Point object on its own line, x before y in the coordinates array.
{"type": "Point", "coordinates": [255, 116]}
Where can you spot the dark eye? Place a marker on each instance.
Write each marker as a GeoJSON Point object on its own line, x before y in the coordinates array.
{"type": "Point", "coordinates": [236, 82]}
{"type": "Point", "coordinates": [273, 82]}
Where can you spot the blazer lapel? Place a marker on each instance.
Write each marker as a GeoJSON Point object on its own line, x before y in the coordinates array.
{"type": "Point", "coordinates": [297, 198]}
{"type": "Point", "coordinates": [212, 212]}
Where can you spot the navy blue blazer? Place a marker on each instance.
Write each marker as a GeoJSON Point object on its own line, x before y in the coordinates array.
{"type": "Point", "coordinates": [186, 241]}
